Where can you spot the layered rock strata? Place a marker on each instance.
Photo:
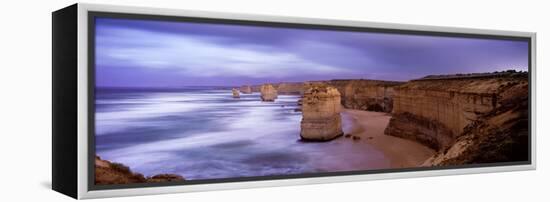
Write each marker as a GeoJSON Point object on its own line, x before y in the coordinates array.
{"type": "Point", "coordinates": [321, 120]}
{"type": "Point", "coordinates": [500, 135]}
{"type": "Point", "coordinates": [367, 95]}
{"type": "Point", "coordinates": [268, 93]}
{"type": "Point", "coordinates": [436, 111]}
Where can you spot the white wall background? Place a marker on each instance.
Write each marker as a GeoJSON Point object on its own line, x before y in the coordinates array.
{"type": "Point", "coordinates": [25, 89]}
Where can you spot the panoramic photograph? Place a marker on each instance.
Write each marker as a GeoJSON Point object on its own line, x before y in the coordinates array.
{"type": "Point", "coordinates": [183, 101]}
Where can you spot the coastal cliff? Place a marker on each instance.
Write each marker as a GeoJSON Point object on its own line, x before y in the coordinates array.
{"type": "Point", "coordinates": [438, 111]}
{"type": "Point", "coordinates": [360, 94]}
{"type": "Point", "coordinates": [295, 88]}
{"type": "Point", "coordinates": [500, 135]}
{"type": "Point", "coordinates": [107, 172]}
{"type": "Point", "coordinates": [366, 95]}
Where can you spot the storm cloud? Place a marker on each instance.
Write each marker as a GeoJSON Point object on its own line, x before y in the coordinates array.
{"type": "Point", "coordinates": [150, 53]}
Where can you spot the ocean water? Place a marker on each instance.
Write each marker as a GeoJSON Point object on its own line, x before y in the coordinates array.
{"type": "Point", "coordinates": [204, 133]}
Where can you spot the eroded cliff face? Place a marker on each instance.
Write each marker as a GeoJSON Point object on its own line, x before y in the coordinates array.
{"type": "Point", "coordinates": [367, 95]}
{"type": "Point", "coordinates": [501, 135]}
{"type": "Point", "coordinates": [436, 112]}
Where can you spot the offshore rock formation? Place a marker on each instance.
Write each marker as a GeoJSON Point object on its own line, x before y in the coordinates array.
{"type": "Point", "coordinates": [439, 110]}
{"type": "Point", "coordinates": [246, 89]}
{"type": "Point", "coordinates": [107, 172]}
{"type": "Point", "coordinates": [321, 119]}
{"type": "Point", "coordinates": [235, 93]}
{"type": "Point", "coordinates": [268, 93]}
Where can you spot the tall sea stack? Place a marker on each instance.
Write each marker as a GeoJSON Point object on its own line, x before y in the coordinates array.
{"type": "Point", "coordinates": [235, 93]}
{"type": "Point", "coordinates": [268, 93]}
{"type": "Point", "coordinates": [321, 119]}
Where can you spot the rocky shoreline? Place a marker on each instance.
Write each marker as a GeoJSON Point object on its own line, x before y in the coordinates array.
{"type": "Point", "coordinates": [107, 172]}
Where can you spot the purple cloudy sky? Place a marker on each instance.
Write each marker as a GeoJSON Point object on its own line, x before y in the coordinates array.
{"type": "Point", "coordinates": [141, 53]}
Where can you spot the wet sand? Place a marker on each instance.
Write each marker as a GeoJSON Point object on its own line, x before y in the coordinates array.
{"type": "Point", "coordinates": [369, 126]}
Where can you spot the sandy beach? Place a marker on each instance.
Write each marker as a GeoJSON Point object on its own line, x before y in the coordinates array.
{"type": "Point", "coordinates": [369, 126]}
{"type": "Point", "coordinates": [372, 150]}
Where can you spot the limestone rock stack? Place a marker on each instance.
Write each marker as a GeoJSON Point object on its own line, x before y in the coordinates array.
{"type": "Point", "coordinates": [321, 119]}
{"type": "Point", "coordinates": [268, 93]}
{"type": "Point", "coordinates": [246, 89]}
{"type": "Point", "coordinates": [235, 93]}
